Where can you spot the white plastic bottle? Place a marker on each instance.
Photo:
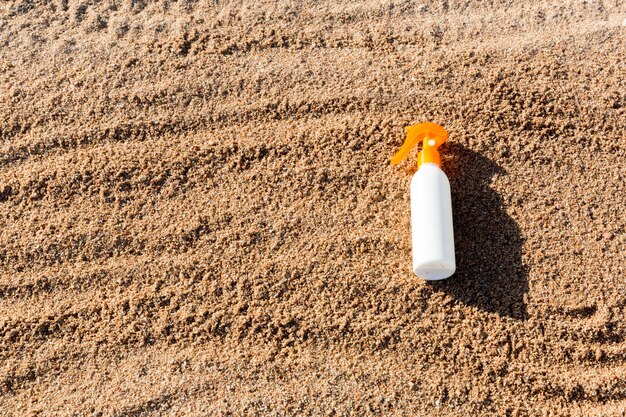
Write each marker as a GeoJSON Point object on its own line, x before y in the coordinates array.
{"type": "Point", "coordinates": [431, 205]}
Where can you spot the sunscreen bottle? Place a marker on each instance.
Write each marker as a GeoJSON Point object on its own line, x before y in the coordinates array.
{"type": "Point", "coordinates": [431, 204]}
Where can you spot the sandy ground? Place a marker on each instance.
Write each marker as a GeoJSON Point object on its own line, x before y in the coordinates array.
{"type": "Point", "coordinates": [198, 216]}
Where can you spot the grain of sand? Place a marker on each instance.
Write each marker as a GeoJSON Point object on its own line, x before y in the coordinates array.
{"type": "Point", "coordinates": [198, 216]}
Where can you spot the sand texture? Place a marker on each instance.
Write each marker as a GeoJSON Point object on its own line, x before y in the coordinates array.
{"type": "Point", "coordinates": [198, 216]}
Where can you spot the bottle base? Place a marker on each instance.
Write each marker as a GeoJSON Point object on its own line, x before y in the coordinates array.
{"type": "Point", "coordinates": [432, 272]}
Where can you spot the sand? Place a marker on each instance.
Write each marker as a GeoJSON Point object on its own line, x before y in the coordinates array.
{"type": "Point", "coordinates": [198, 216]}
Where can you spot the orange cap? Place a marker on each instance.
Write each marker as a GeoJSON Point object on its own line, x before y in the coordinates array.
{"type": "Point", "coordinates": [433, 135]}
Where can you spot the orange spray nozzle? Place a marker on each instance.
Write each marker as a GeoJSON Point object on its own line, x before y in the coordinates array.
{"type": "Point", "coordinates": [433, 136]}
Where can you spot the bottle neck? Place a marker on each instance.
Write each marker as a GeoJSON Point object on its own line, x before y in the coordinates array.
{"type": "Point", "coordinates": [428, 155]}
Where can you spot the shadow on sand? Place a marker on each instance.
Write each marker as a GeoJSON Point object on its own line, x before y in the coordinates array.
{"type": "Point", "coordinates": [489, 272]}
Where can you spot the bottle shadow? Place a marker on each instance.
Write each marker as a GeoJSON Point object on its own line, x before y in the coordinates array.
{"type": "Point", "coordinates": [488, 243]}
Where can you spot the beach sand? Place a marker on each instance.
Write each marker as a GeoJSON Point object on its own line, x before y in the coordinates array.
{"type": "Point", "coordinates": [198, 216]}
